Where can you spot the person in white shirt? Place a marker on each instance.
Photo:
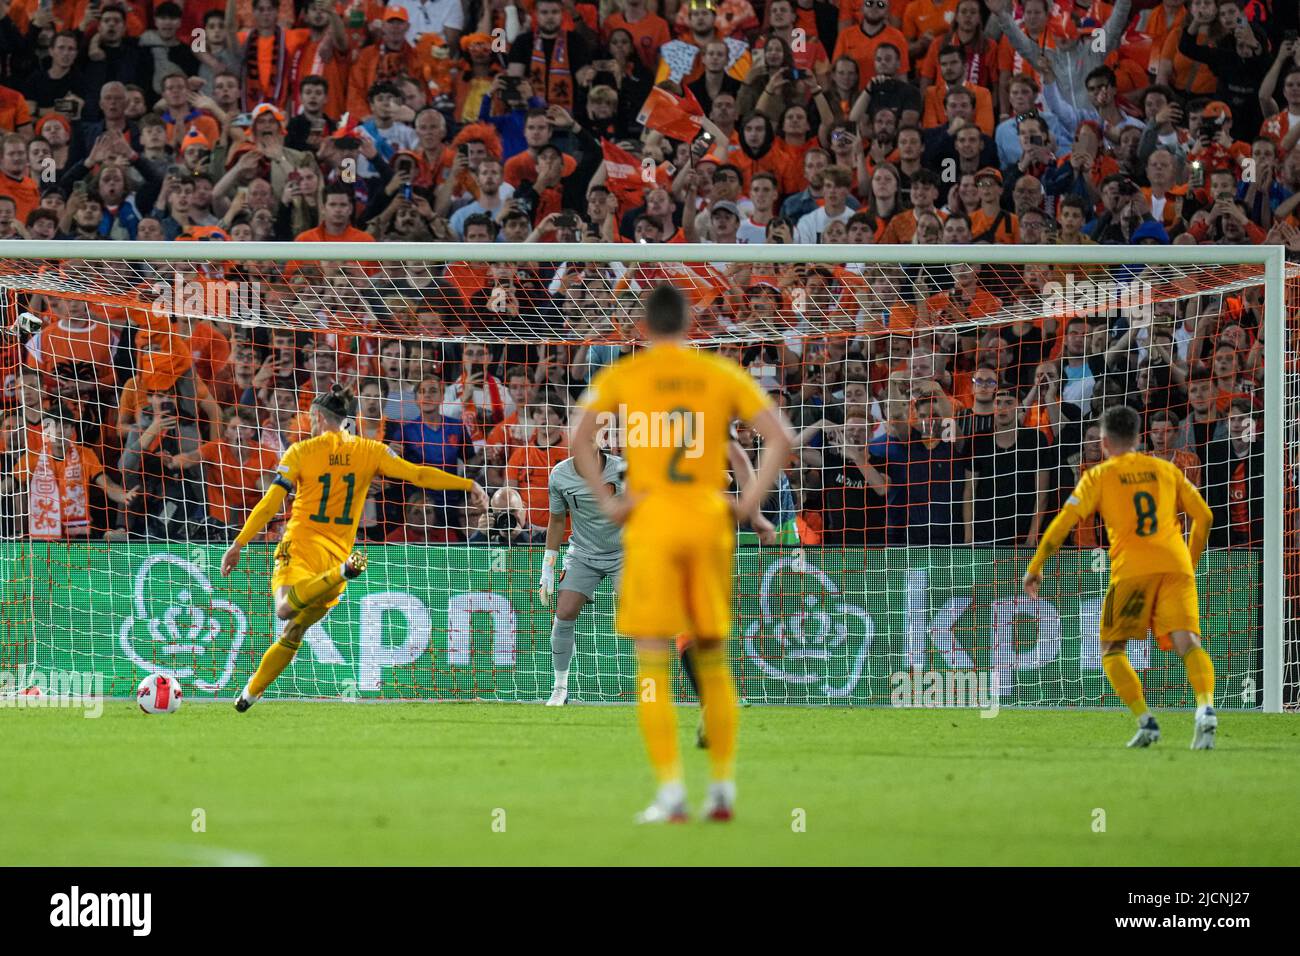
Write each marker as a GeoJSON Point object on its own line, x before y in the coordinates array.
{"type": "Point", "coordinates": [446, 17]}
{"type": "Point", "coordinates": [836, 181]}
{"type": "Point", "coordinates": [763, 193]}
{"type": "Point", "coordinates": [477, 395]}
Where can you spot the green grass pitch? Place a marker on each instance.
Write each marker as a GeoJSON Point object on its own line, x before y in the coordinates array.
{"type": "Point", "coordinates": [424, 784]}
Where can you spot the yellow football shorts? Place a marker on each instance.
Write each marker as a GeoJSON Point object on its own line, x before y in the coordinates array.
{"type": "Point", "coordinates": [677, 568]}
{"type": "Point", "coordinates": [1161, 603]}
{"type": "Point", "coordinates": [302, 560]}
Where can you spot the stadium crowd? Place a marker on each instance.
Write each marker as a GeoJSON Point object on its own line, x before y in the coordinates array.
{"type": "Point", "coordinates": [928, 421]}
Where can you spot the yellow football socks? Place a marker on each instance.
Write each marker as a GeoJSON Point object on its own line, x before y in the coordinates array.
{"type": "Point", "coordinates": [656, 713]}
{"type": "Point", "coordinates": [1125, 680]}
{"type": "Point", "coordinates": [1200, 674]}
{"type": "Point", "coordinates": [274, 661]}
{"type": "Point", "coordinates": [280, 654]}
{"type": "Point", "coordinates": [718, 697]}
{"type": "Point", "coordinates": [305, 593]}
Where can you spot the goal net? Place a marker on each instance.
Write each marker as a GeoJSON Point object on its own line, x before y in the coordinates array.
{"type": "Point", "coordinates": [946, 401]}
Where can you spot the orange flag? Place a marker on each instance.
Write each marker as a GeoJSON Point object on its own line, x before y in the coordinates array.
{"type": "Point", "coordinates": [628, 179]}
{"type": "Point", "coordinates": [675, 117]}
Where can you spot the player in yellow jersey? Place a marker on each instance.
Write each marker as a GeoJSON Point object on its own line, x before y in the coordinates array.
{"type": "Point", "coordinates": [329, 474]}
{"type": "Point", "coordinates": [674, 406]}
{"type": "Point", "coordinates": [1152, 569]}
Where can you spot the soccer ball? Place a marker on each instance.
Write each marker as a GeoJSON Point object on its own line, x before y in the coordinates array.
{"type": "Point", "coordinates": [28, 322]}
{"type": "Point", "coordinates": [159, 694]}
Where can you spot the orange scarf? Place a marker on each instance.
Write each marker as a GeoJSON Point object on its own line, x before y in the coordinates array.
{"type": "Point", "coordinates": [57, 503]}
{"type": "Point", "coordinates": [554, 80]}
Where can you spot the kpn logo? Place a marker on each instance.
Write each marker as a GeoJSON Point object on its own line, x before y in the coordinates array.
{"type": "Point", "coordinates": [180, 626]}
{"type": "Point", "coordinates": [1106, 298]}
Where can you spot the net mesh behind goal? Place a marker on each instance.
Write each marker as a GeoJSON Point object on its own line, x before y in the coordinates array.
{"type": "Point", "coordinates": [944, 408]}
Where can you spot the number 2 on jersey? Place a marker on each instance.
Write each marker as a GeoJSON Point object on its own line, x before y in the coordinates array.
{"type": "Point", "coordinates": [1147, 523]}
{"type": "Point", "coordinates": [323, 514]}
{"type": "Point", "coordinates": [682, 440]}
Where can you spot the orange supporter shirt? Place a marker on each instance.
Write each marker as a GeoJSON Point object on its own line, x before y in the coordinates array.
{"type": "Point", "coordinates": [134, 395]}
{"type": "Point", "coordinates": [1187, 76]}
{"type": "Point", "coordinates": [1223, 401]}
{"type": "Point", "coordinates": [862, 50]}
{"type": "Point", "coordinates": [334, 70]}
{"type": "Point", "coordinates": [63, 343]}
{"type": "Point", "coordinates": [91, 467]}
{"type": "Point", "coordinates": [896, 316]}
{"type": "Point", "coordinates": [503, 432]}
{"type": "Point", "coordinates": [1188, 463]}
{"type": "Point", "coordinates": [926, 18]}
{"type": "Point", "coordinates": [936, 114]}
{"type": "Point", "coordinates": [1010, 61]}
{"type": "Point", "coordinates": [902, 228]}
{"type": "Point", "coordinates": [1008, 230]}
{"type": "Point", "coordinates": [319, 234]}
{"type": "Point", "coordinates": [234, 483]}
{"type": "Point", "coordinates": [13, 110]}
{"type": "Point", "coordinates": [24, 192]}
{"type": "Point", "coordinates": [1158, 26]}
{"type": "Point", "coordinates": [432, 170]}
{"type": "Point", "coordinates": [770, 162]}
{"type": "Point", "coordinates": [1276, 128]}
{"type": "Point", "coordinates": [789, 164]}
{"type": "Point", "coordinates": [943, 305]}
{"type": "Point", "coordinates": [529, 470]}
{"type": "Point", "coordinates": [467, 277]}
{"type": "Point", "coordinates": [210, 350]}
{"type": "Point", "coordinates": [522, 167]}
{"type": "Point", "coordinates": [648, 35]}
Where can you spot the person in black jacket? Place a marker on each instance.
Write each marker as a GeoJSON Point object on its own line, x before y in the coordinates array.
{"type": "Point", "coordinates": [715, 79]}
{"type": "Point", "coordinates": [112, 55]}
{"type": "Point", "coordinates": [573, 188]}
{"type": "Point", "coordinates": [1240, 61]}
{"type": "Point", "coordinates": [1234, 480]}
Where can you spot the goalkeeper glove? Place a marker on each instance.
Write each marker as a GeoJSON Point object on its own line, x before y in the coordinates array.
{"type": "Point", "coordinates": [546, 587]}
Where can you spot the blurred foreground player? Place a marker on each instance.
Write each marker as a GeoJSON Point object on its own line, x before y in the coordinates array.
{"type": "Point", "coordinates": [676, 404]}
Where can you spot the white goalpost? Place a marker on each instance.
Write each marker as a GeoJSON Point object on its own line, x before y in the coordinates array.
{"type": "Point", "coordinates": [945, 397]}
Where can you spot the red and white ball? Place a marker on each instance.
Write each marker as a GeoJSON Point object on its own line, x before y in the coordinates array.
{"type": "Point", "coordinates": [159, 694]}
